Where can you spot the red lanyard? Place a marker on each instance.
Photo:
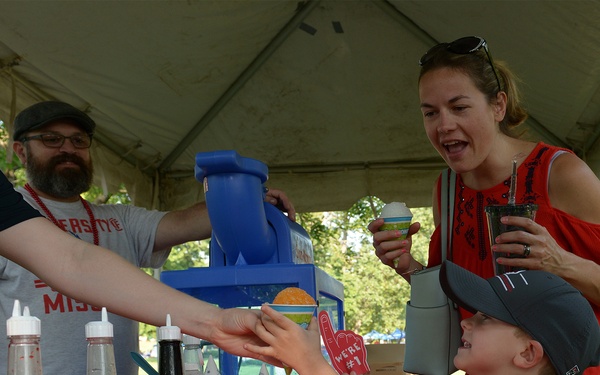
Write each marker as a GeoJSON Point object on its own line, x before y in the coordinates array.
{"type": "Point", "coordinates": [50, 216]}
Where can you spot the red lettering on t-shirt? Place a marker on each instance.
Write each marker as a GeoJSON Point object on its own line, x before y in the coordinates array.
{"type": "Point", "coordinates": [63, 304]}
{"type": "Point", "coordinates": [115, 223]}
{"type": "Point", "coordinates": [85, 224]}
{"type": "Point", "coordinates": [40, 283]}
{"type": "Point", "coordinates": [74, 223]}
{"type": "Point", "coordinates": [57, 305]}
{"type": "Point", "coordinates": [63, 224]}
{"type": "Point", "coordinates": [102, 225]}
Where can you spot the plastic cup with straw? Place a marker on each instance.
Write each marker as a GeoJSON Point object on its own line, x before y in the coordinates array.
{"type": "Point", "coordinates": [495, 213]}
{"type": "Point", "coordinates": [513, 183]}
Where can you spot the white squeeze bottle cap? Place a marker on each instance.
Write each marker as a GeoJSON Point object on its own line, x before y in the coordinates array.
{"type": "Point", "coordinates": [190, 340]}
{"type": "Point", "coordinates": [22, 325]}
{"type": "Point", "coordinates": [102, 328]}
{"type": "Point", "coordinates": [168, 332]}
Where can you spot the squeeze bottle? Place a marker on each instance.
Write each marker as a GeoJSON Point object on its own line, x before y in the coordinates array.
{"type": "Point", "coordinates": [100, 350]}
{"type": "Point", "coordinates": [193, 363]}
{"type": "Point", "coordinates": [170, 358]}
{"type": "Point", "coordinates": [23, 331]}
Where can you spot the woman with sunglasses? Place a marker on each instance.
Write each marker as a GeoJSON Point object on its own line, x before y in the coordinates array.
{"type": "Point", "coordinates": [471, 112]}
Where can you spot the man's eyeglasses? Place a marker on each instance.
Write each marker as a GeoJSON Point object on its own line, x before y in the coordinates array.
{"type": "Point", "coordinates": [57, 140]}
{"type": "Point", "coordinates": [462, 46]}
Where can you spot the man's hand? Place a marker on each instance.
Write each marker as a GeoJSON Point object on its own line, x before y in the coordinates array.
{"type": "Point", "coordinates": [278, 199]}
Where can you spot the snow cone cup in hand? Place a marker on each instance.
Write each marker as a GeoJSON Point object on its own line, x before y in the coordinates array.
{"type": "Point", "coordinates": [396, 216]}
{"type": "Point", "coordinates": [299, 314]}
{"type": "Point", "coordinates": [297, 305]}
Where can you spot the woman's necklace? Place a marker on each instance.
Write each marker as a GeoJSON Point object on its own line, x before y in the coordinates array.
{"type": "Point", "coordinates": [50, 216]}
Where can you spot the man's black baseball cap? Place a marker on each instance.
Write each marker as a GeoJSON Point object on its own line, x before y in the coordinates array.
{"type": "Point", "coordinates": [43, 113]}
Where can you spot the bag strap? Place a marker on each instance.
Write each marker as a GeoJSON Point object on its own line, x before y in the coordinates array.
{"type": "Point", "coordinates": [447, 193]}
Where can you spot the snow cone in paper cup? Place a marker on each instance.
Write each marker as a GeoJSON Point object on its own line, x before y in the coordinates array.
{"type": "Point", "coordinates": [297, 305]}
{"type": "Point", "coordinates": [300, 314]}
{"type": "Point", "coordinates": [396, 216]}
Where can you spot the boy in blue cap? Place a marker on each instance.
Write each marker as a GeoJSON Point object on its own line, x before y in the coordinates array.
{"type": "Point", "coordinates": [526, 322]}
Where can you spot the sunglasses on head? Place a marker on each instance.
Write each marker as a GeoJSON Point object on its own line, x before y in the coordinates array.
{"type": "Point", "coordinates": [462, 46]}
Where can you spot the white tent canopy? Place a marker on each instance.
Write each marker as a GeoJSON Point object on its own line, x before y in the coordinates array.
{"type": "Point", "coordinates": [324, 92]}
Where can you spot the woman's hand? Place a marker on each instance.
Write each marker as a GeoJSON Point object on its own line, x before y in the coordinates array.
{"type": "Point", "coordinates": [391, 251]}
{"type": "Point", "coordinates": [535, 247]}
{"type": "Point", "coordinates": [544, 253]}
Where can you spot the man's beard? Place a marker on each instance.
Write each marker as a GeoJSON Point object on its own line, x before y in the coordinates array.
{"type": "Point", "coordinates": [62, 183]}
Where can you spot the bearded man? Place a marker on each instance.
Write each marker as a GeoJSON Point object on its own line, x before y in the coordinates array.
{"type": "Point", "coordinates": [52, 139]}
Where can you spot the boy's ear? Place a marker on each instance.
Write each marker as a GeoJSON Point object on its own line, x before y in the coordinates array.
{"type": "Point", "coordinates": [531, 355]}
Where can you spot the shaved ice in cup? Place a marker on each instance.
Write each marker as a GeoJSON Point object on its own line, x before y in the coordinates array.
{"type": "Point", "coordinates": [396, 216]}
{"type": "Point", "coordinates": [297, 305]}
{"type": "Point", "coordinates": [294, 296]}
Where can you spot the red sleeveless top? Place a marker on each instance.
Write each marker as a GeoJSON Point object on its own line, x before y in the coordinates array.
{"type": "Point", "coordinates": [470, 243]}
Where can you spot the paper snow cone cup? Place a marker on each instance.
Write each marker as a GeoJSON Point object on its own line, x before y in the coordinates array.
{"type": "Point", "coordinates": [396, 216]}
{"type": "Point", "coordinates": [300, 314]}
{"type": "Point", "coordinates": [397, 223]}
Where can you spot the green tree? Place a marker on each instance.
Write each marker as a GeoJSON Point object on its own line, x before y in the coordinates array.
{"type": "Point", "coordinates": [375, 296]}
{"type": "Point", "coordinates": [12, 169]}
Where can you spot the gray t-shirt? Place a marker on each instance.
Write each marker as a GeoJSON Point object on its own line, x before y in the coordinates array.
{"type": "Point", "coordinates": [127, 230]}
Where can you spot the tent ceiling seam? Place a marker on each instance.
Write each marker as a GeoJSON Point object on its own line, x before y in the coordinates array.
{"type": "Point", "coordinates": [406, 21]}
{"type": "Point", "coordinates": [36, 91]}
{"type": "Point", "coordinates": [545, 132]}
{"type": "Point", "coordinates": [240, 81]}
{"type": "Point", "coordinates": [124, 153]}
{"type": "Point", "coordinates": [591, 141]}
{"type": "Point", "coordinates": [428, 164]}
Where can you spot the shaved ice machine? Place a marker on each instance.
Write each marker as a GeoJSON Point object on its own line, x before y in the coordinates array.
{"type": "Point", "coordinates": [255, 249]}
